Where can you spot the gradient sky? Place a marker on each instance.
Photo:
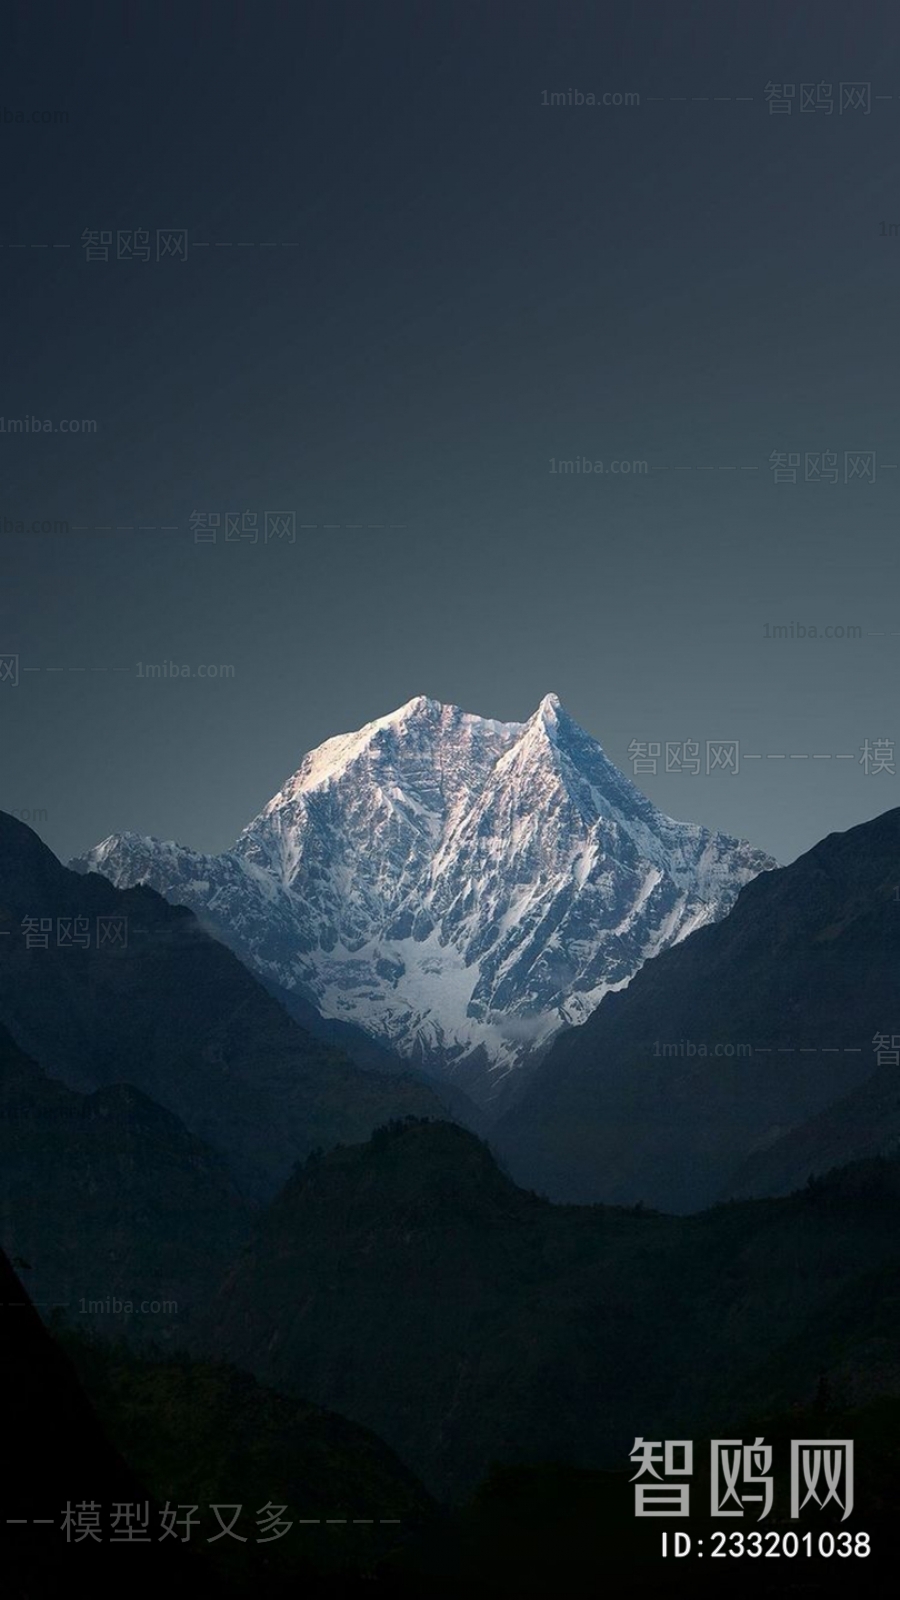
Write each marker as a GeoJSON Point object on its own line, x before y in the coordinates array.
{"type": "Point", "coordinates": [466, 284]}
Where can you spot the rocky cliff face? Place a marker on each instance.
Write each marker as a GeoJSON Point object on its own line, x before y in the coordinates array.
{"type": "Point", "coordinates": [459, 887]}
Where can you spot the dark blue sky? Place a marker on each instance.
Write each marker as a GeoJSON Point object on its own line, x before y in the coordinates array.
{"type": "Point", "coordinates": [412, 286]}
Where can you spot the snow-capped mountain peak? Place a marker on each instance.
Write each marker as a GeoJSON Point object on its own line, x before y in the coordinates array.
{"type": "Point", "coordinates": [460, 887]}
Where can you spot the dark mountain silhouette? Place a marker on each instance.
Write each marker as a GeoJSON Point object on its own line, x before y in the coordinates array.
{"type": "Point", "coordinates": [365, 1051]}
{"type": "Point", "coordinates": [721, 1046]}
{"type": "Point", "coordinates": [174, 1013]}
{"type": "Point", "coordinates": [58, 1456]}
{"type": "Point", "coordinates": [865, 1124]}
{"type": "Point", "coordinates": [199, 1435]}
{"type": "Point", "coordinates": [206, 1433]}
{"type": "Point", "coordinates": [410, 1285]}
{"type": "Point", "coordinates": [92, 1426]}
{"type": "Point", "coordinates": [111, 1201]}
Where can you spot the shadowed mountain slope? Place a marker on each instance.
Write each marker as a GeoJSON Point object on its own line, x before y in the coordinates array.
{"type": "Point", "coordinates": [122, 987]}
{"type": "Point", "coordinates": [721, 1046]}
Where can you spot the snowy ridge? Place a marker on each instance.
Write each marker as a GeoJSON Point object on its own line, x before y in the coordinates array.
{"type": "Point", "coordinates": [459, 887]}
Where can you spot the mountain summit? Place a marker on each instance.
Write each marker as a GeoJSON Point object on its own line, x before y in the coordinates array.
{"type": "Point", "coordinates": [459, 887]}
